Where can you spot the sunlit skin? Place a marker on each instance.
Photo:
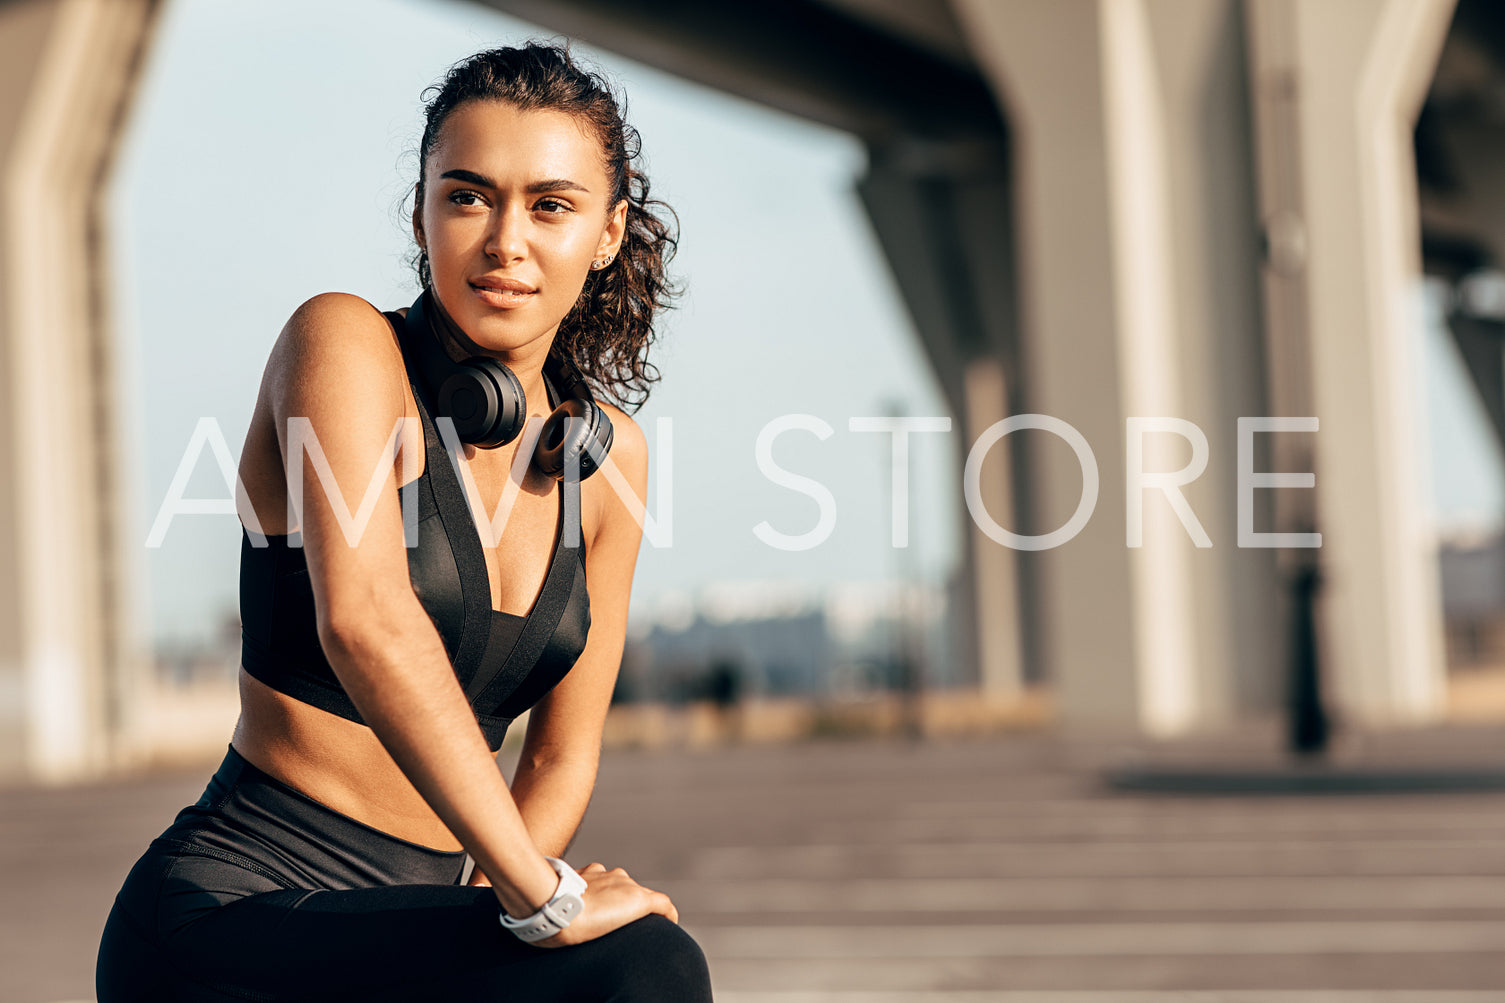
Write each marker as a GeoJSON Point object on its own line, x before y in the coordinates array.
{"type": "Point", "coordinates": [509, 195]}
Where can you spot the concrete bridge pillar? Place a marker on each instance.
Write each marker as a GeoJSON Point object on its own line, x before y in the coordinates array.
{"type": "Point", "coordinates": [1139, 298]}
{"type": "Point", "coordinates": [1339, 85]}
{"type": "Point", "coordinates": [71, 623]}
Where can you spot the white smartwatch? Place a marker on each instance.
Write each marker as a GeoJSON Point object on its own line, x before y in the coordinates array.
{"type": "Point", "coordinates": [555, 914]}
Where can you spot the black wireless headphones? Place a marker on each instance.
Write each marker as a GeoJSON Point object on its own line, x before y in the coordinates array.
{"type": "Point", "coordinates": [485, 400]}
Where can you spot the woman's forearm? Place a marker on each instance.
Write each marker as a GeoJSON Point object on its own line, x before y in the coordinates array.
{"type": "Point", "coordinates": [397, 673]}
{"type": "Point", "coordinates": [552, 798]}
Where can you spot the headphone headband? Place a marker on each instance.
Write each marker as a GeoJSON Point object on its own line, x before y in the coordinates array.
{"type": "Point", "coordinates": [431, 358]}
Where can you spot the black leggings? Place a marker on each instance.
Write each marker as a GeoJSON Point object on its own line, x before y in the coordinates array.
{"type": "Point", "coordinates": [259, 892]}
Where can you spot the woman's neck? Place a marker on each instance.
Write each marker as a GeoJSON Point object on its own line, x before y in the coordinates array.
{"type": "Point", "coordinates": [459, 346]}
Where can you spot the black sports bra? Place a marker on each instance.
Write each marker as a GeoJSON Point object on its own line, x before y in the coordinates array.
{"type": "Point", "coordinates": [505, 663]}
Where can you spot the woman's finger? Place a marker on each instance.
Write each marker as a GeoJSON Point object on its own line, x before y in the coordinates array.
{"type": "Point", "coordinates": [664, 906]}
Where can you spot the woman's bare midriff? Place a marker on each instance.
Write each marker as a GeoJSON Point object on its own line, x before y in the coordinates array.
{"type": "Point", "coordinates": [337, 762]}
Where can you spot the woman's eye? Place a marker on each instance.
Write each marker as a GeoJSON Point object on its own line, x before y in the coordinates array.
{"type": "Point", "coordinates": [554, 206]}
{"type": "Point", "coordinates": [460, 197]}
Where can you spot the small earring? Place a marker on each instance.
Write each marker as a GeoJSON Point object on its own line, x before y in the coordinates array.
{"type": "Point", "coordinates": [603, 262]}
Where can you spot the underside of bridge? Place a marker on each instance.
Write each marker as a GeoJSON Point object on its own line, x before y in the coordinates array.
{"type": "Point", "coordinates": [1148, 219]}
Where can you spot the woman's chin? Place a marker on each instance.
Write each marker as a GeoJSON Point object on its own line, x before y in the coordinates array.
{"type": "Point", "coordinates": [505, 330]}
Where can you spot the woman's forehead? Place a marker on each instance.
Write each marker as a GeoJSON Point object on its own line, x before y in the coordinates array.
{"type": "Point", "coordinates": [504, 142]}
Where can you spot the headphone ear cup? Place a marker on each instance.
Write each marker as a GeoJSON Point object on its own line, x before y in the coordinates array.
{"type": "Point", "coordinates": [486, 401]}
{"type": "Point", "coordinates": [577, 428]}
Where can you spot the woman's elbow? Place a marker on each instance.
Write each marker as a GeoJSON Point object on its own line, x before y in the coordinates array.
{"type": "Point", "coordinates": [350, 628]}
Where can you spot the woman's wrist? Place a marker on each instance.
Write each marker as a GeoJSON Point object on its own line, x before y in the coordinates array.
{"type": "Point", "coordinates": [554, 915]}
{"type": "Point", "coordinates": [522, 898]}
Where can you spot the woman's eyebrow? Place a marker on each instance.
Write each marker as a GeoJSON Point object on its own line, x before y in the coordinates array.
{"type": "Point", "coordinates": [535, 188]}
{"type": "Point", "coordinates": [470, 177]}
{"type": "Point", "coordinates": [556, 185]}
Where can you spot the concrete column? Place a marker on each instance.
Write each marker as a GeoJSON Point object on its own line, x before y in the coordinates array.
{"type": "Point", "coordinates": [1212, 236]}
{"type": "Point", "coordinates": [1339, 86]}
{"type": "Point", "coordinates": [995, 571]}
{"type": "Point", "coordinates": [70, 637]}
{"type": "Point", "coordinates": [1137, 243]}
{"type": "Point", "coordinates": [943, 218]}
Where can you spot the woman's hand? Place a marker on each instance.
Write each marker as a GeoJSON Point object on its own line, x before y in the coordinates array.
{"type": "Point", "coordinates": [611, 899]}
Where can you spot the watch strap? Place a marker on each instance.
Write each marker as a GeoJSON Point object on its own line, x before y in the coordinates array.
{"type": "Point", "coordinates": [555, 914]}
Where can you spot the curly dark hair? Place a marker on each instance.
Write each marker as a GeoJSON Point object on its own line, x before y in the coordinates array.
{"type": "Point", "coordinates": [608, 330]}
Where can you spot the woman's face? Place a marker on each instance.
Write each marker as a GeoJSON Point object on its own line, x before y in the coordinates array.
{"type": "Point", "coordinates": [514, 211]}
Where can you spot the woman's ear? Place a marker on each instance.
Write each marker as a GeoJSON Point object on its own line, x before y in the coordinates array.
{"type": "Point", "coordinates": [616, 228]}
{"type": "Point", "coordinates": [418, 215]}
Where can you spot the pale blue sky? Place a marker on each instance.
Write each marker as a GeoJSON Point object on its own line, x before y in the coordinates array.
{"type": "Point", "coordinates": [270, 149]}
{"type": "Point", "coordinates": [1466, 469]}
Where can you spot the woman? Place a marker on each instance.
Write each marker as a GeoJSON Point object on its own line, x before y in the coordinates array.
{"type": "Point", "coordinates": [324, 859]}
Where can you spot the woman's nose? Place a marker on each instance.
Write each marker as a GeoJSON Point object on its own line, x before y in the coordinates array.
{"type": "Point", "coordinates": [508, 239]}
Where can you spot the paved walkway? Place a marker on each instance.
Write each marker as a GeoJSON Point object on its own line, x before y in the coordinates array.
{"type": "Point", "coordinates": [874, 871]}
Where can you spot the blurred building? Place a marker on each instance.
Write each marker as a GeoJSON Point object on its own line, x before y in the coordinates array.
{"type": "Point", "coordinates": [1196, 211]}
{"type": "Point", "coordinates": [775, 655]}
{"type": "Point", "coordinates": [1473, 599]}
{"type": "Point", "coordinates": [845, 641]}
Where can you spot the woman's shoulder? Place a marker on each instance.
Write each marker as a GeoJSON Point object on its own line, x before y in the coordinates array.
{"type": "Point", "coordinates": [629, 455]}
{"type": "Point", "coordinates": [338, 325]}
{"type": "Point", "coordinates": [337, 340]}
{"type": "Point", "coordinates": [628, 443]}
{"type": "Point", "coordinates": [335, 312]}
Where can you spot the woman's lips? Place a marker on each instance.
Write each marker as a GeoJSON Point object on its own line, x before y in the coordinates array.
{"type": "Point", "coordinates": [502, 299]}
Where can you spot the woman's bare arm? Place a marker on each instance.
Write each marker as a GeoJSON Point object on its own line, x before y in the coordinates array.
{"type": "Point", "coordinates": [336, 365]}
{"type": "Point", "coordinates": [562, 751]}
